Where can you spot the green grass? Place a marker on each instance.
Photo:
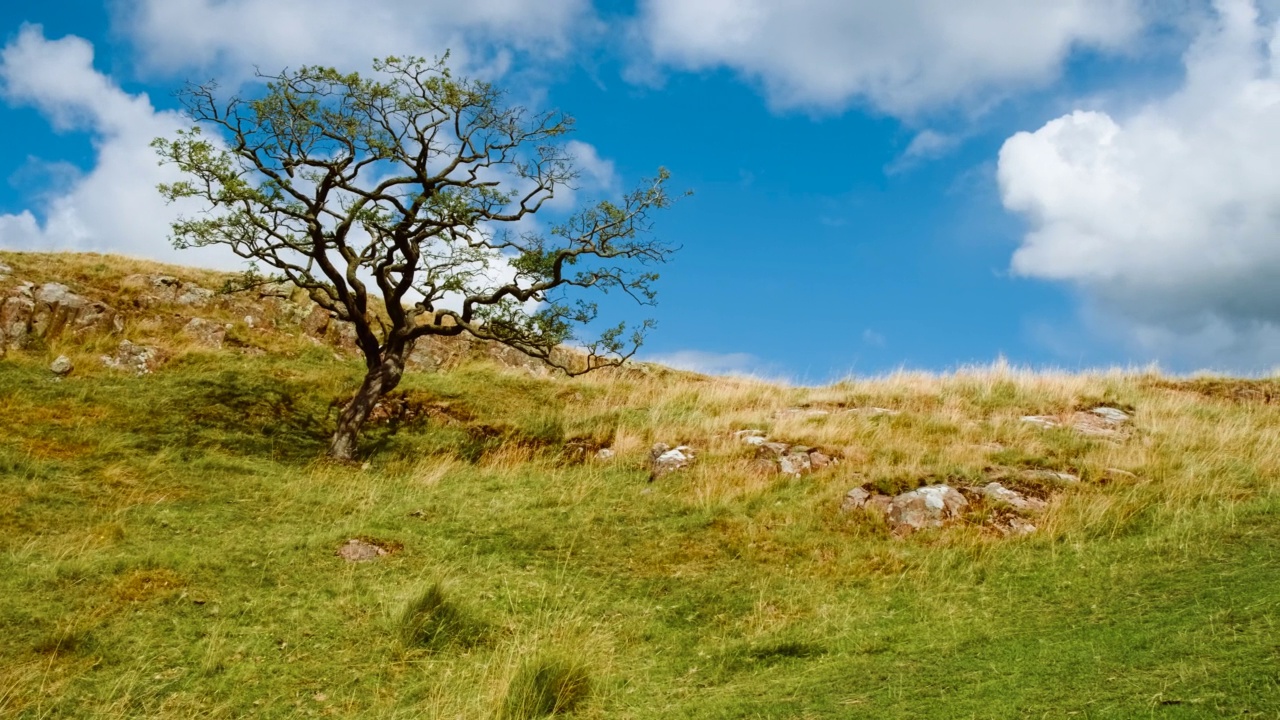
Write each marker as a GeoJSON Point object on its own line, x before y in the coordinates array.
{"type": "Point", "coordinates": [167, 550]}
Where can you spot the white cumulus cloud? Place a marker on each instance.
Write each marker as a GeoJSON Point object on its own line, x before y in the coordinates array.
{"type": "Point", "coordinates": [902, 57]}
{"type": "Point", "coordinates": [114, 207]}
{"type": "Point", "coordinates": [1169, 217]}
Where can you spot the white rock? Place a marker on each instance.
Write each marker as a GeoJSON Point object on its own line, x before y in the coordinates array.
{"type": "Point", "coordinates": [605, 454]}
{"type": "Point", "coordinates": [61, 366]}
{"type": "Point", "coordinates": [664, 459]}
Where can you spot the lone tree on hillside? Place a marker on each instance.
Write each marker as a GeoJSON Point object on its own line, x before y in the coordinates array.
{"type": "Point", "coordinates": [396, 202]}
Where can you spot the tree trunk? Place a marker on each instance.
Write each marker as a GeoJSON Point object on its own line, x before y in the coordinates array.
{"type": "Point", "coordinates": [379, 381]}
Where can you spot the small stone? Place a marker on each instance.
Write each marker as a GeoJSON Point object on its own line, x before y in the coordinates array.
{"type": "Point", "coordinates": [62, 366]}
{"type": "Point", "coordinates": [1044, 421]}
{"type": "Point", "coordinates": [605, 454]}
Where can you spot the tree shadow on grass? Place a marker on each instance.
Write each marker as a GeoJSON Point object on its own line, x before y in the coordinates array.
{"type": "Point", "coordinates": [247, 414]}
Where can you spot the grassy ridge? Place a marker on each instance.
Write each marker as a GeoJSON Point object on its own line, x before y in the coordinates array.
{"type": "Point", "coordinates": [167, 549]}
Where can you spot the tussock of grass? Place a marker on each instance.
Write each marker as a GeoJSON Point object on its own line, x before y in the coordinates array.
{"type": "Point", "coordinates": [546, 686]}
{"type": "Point", "coordinates": [432, 621]}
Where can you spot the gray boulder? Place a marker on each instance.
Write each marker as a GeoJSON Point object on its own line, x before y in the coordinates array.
{"type": "Point", "coordinates": [927, 507]}
{"type": "Point", "coordinates": [62, 366]}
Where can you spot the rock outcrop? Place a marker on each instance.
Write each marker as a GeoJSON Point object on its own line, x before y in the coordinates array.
{"type": "Point", "coordinates": [29, 313]}
{"type": "Point", "coordinates": [1101, 421]}
{"type": "Point", "coordinates": [788, 459]}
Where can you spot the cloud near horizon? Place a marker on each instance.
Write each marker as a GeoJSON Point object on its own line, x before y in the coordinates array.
{"type": "Point", "coordinates": [1167, 219]}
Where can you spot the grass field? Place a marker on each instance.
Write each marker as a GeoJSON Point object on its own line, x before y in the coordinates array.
{"type": "Point", "coordinates": [167, 548]}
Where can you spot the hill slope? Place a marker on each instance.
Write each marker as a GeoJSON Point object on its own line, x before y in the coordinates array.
{"type": "Point", "coordinates": [170, 543]}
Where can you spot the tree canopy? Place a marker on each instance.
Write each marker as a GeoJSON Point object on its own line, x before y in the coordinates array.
{"type": "Point", "coordinates": [402, 202]}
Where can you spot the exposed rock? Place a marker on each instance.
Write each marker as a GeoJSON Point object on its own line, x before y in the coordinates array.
{"type": "Point", "coordinates": [62, 366]}
{"type": "Point", "coordinates": [927, 507]}
{"type": "Point", "coordinates": [995, 492]}
{"type": "Point", "coordinates": [772, 449]}
{"type": "Point", "coordinates": [803, 413]}
{"type": "Point", "coordinates": [879, 504]}
{"type": "Point", "coordinates": [205, 332]}
{"type": "Point", "coordinates": [855, 499]}
{"type": "Point", "coordinates": [665, 460]}
{"type": "Point", "coordinates": [820, 460]}
{"type": "Point", "coordinates": [15, 321]}
{"type": "Point", "coordinates": [138, 359]}
{"type": "Point", "coordinates": [796, 464]}
{"type": "Point", "coordinates": [4, 271]}
{"type": "Point", "coordinates": [788, 459]}
{"type": "Point", "coordinates": [1099, 422]}
{"type": "Point", "coordinates": [1118, 473]}
{"type": "Point", "coordinates": [194, 295]}
{"type": "Point", "coordinates": [1049, 476]}
{"type": "Point", "coordinates": [31, 313]}
{"type": "Point", "coordinates": [357, 550]}
{"type": "Point", "coordinates": [1112, 415]}
{"type": "Point", "coordinates": [605, 454]}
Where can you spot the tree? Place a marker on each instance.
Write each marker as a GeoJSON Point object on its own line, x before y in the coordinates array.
{"type": "Point", "coordinates": [396, 201]}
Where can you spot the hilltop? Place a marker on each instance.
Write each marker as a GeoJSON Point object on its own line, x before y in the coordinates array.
{"type": "Point", "coordinates": [173, 545]}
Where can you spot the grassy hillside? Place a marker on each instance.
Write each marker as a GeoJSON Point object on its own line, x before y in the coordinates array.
{"type": "Point", "coordinates": [168, 542]}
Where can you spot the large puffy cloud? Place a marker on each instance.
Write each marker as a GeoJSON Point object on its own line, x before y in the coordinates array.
{"type": "Point", "coordinates": [903, 56]}
{"type": "Point", "coordinates": [1168, 218]}
{"type": "Point", "coordinates": [114, 207]}
{"type": "Point", "coordinates": [234, 36]}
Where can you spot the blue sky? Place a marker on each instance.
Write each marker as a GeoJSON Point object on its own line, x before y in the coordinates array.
{"type": "Point", "coordinates": [916, 184]}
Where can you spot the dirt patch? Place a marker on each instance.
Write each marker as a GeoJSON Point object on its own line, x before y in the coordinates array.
{"type": "Point", "coordinates": [365, 549]}
{"type": "Point", "coordinates": [150, 584]}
